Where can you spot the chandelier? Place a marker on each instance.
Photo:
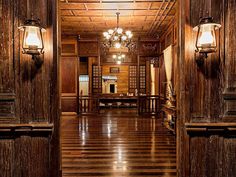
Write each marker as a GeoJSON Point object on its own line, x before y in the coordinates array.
{"type": "Point", "coordinates": [117, 37]}
{"type": "Point", "coordinates": [118, 58]}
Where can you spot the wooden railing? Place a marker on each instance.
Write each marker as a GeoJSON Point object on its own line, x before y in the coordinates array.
{"type": "Point", "coordinates": [88, 105]}
{"type": "Point", "coordinates": [150, 104]}
{"type": "Point", "coordinates": [146, 104]}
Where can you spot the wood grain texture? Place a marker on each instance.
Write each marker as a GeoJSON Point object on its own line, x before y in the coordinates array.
{"type": "Point", "coordinates": [6, 52]}
{"type": "Point", "coordinates": [88, 49]}
{"type": "Point", "coordinates": [7, 87]}
{"type": "Point", "coordinates": [122, 76]}
{"type": "Point", "coordinates": [7, 156]}
{"type": "Point", "coordinates": [28, 92]}
{"type": "Point", "coordinates": [204, 101]}
{"type": "Point", "coordinates": [31, 156]}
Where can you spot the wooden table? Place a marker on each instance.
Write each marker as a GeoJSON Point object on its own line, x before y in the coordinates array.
{"type": "Point", "coordinates": [118, 99]}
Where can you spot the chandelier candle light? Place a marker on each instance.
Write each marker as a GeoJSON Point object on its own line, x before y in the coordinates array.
{"type": "Point", "coordinates": [117, 37]}
{"type": "Point", "coordinates": [119, 58]}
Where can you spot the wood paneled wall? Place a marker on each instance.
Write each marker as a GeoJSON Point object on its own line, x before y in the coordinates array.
{"type": "Point", "coordinates": [29, 98]}
{"type": "Point", "coordinates": [88, 48]}
{"type": "Point", "coordinates": [69, 75]}
{"type": "Point", "coordinates": [122, 76]}
{"type": "Point", "coordinates": [206, 93]}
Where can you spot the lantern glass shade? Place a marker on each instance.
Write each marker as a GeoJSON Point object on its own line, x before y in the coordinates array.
{"type": "Point", "coordinates": [32, 38]}
{"type": "Point", "coordinates": [206, 35]}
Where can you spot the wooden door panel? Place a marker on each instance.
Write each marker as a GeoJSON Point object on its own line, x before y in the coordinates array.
{"type": "Point", "coordinates": [69, 104]}
{"type": "Point", "coordinates": [7, 87]}
{"type": "Point", "coordinates": [69, 81]}
{"type": "Point", "coordinates": [69, 48]}
{"type": "Point", "coordinates": [69, 76]}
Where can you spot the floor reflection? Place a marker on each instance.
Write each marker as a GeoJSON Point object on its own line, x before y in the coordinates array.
{"type": "Point", "coordinates": [111, 145]}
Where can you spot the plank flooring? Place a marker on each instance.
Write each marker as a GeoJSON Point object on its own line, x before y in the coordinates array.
{"type": "Point", "coordinates": [111, 145]}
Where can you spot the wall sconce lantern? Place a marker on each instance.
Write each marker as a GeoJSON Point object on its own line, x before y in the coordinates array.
{"type": "Point", "coordinates": [206, 36]}
{"type": "Point", "coordinates": [32, 43]}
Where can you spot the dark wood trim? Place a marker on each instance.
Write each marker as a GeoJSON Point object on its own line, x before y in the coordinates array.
{"type": "Point", "coordinates": [210, 127]}
{"type": "Point", "coordinates": [39, 127]}
{"type": "Point", "coordinates": [229, 95]}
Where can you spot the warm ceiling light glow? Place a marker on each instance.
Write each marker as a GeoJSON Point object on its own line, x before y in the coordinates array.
{"type": "Point", "coordinates": [116, 37]}
{"type": "Point", "coordinates": [124, 38]}
{"type": "Point", "coordinates": [117, 45]}
{"type": "Point", "coordinates": [118, 58]}
{"type": "Point", "coordinates": [110, 31]}
{"type": "Point", "coordinates": [119, 30]}
{"type": "Point", "coordinates": [105, 34]}
{"type": "Point", "coordinates": [128, 33]}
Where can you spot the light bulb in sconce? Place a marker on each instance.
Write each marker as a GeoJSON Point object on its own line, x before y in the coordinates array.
{"type": "Point", "coordinates": [32, 38]}
{"type": "Point", "coordinates": [118, 62]}
{"type": "Point", "coordinates": [206, 36]}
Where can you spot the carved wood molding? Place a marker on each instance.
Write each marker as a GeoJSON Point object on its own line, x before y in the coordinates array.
{"type": "Point", "coordinates": [210, 127]}
{"type": "Point", "coordinates": [230, 104]}
{"type": "Point", "coordinates": [229, 95]}
{"type": "Point", "coordinates": [37, 127]}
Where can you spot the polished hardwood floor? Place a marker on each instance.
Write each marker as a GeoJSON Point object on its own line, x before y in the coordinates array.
{"type": "Point", "coordinates": [117, 143]}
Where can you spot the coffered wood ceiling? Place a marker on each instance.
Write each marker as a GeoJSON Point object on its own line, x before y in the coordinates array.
{"type": "Point", "coordinates": [93, 17]}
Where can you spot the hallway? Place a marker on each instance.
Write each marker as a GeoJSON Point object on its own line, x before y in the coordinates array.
{"type": "Point", "coordinates": [114, 145]}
